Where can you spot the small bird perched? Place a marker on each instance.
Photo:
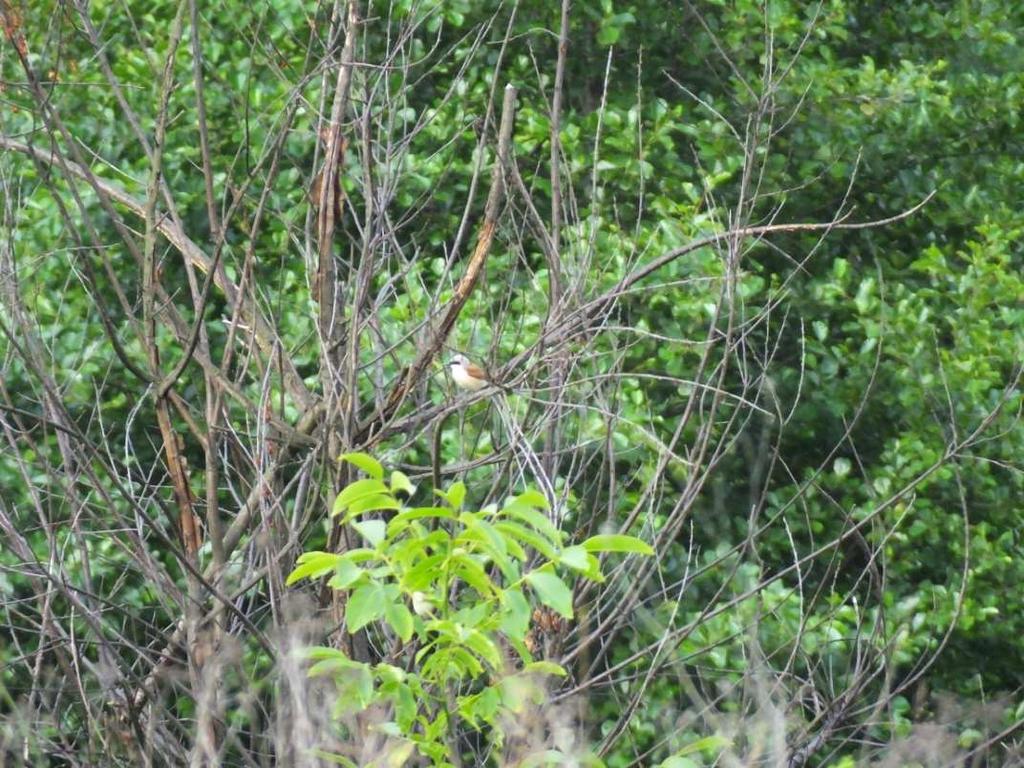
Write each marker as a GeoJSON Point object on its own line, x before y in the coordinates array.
{"type": "Point", "coordinates": [467, 375]}
{"type": "Point", "coordinates": [422, 604]}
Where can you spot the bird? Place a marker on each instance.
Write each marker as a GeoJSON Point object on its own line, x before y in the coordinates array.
{"type": "Point", "coordinates": [467, 375]}
{"type": "Point", "coordinates": [422, 604]}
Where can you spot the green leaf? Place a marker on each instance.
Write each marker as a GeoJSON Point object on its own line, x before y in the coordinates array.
{"type": "Point", "coordinates": [360, 489]}
{"type": "Point", "coordinates": [405, 703]}
{"type": "Point", "coordinates": [366, 603]}
{"type": "Point", "coordinates": [454, 495]}
{"type": "Point", "coordinates": [552, 591]}
{"type": "Point", "coordinates": [584, 562]}
{"type": "Point", "coordinates": [678, 762]}
{"type": "Point", "coordinates": [489, 540]}
{"type": "Point", "coordinates": [515, 550]}
{"type": "Point", "coordinates": [515, 614]}
{"type": "Point", "coordinates": [363, 686]}
{"type": "Point", "coordinates": [481, 706]}
{"type": "Point", "coordinates": [331, 667]}
{"type": "Point", "coordinates": [529, 515]}
{"type": "Point", "coordinates": [400, 619]}
{"type": "Point", "coordinates": [401, 521]}
{"type": "Point", "coordinates": [346, 574]}
{"type": "Point", "coordinates": [527, 536]}
{"type": "Point", "coordinates": [532, 498]}
{"type": "Point", "coordinates": [371, 530]}
{"type": "Point", "coordinates": [452, 662]}
{"type": "Point", "coordinates": [399, 482]}
{"type": "Point", "coordinates": [484, 532]}
{"type": "Point", "coordinates": [359, 555]}
{"type": "Point", "coordinates": [365, 462]}
{"type": "Point", "coordinates": [312, 565]}
{"type": "Point", "coordinates": [545, 668]}
{"type": "Point", "coordinates": [574, 557]}
{"type": "Point", "coordinates": [614, 542]}
{"type": "Point", "coordinates": [389, 673]}
{"type": "Point", "coordinates": [419, 513]}
{"type": "Point", "coordinates": [474, 614]}
{"type": "Point", "coordinates": [679, 759]}
{"type": "Point", "coordinates": [372, 503]}
{"type": "Point", "coordinates": [330, 661]}
{"type": "Point", "coordinates": [608, 34]}
{"type": "Point", "coordinates": [470, 571]}
{"type": "Point", "coordinates": [321, 652]}
{"type": "Point", "coordinates": [422, 575]}
{"type": "Point", "coordinates": [482, 646]}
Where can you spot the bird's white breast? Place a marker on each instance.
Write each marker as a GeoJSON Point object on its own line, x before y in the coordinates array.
{"type": "Point", "coordinates": [464, 380]}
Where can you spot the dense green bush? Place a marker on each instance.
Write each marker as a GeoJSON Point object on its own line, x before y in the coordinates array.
{"type": "Point", "coordinates": [816, 428]}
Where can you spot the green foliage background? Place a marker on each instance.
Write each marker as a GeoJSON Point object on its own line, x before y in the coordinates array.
{"type": "Point", "coordinates": [897, 341]}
